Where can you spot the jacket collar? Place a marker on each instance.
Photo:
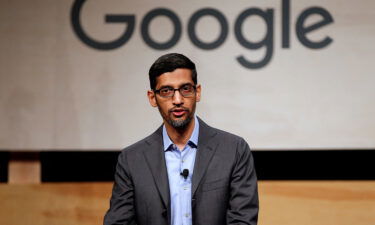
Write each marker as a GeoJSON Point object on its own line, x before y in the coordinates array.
{"type": "Point", "coordinates": [155, 158]}
{"type": "Point", "coordinates": [193, 140]}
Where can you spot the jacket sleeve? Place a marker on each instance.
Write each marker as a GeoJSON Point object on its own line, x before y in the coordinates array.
{"type": "Point", "coordinates": [243, 199]}
{"type": "Point", "coordinates": [121, 209]}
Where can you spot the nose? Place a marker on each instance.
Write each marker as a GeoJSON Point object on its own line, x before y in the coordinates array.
{"type": "Point", "coordinates": [177, 98]}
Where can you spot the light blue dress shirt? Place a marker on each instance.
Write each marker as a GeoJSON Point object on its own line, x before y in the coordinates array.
{"type": "Point", "coordinates": [180, 188]}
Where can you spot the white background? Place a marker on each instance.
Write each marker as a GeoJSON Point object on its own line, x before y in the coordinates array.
{"type": "Point", "coordinates": [56, 93]}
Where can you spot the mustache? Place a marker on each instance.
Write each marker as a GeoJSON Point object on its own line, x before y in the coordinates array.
{"type": "Point", "coordinates": [180, 108]}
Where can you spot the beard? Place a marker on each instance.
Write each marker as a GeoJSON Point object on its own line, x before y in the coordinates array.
{"type": "Point", "coordinates": [179, 123]}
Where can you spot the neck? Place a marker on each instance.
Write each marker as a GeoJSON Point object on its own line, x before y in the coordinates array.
{"type": "Point", "coordinates": [180, 136]}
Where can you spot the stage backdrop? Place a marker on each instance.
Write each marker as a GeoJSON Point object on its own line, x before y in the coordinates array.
{"type": "Point", "coordinates": [291, 74]}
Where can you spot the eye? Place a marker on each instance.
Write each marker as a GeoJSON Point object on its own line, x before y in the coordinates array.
{"type": "Point", "coordinates": [165, 90]}
{"type": "Point", "coordinates": [187, 88]}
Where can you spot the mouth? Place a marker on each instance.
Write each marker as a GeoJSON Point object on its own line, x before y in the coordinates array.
{"type": "Point", "coordinates": [179, 112]}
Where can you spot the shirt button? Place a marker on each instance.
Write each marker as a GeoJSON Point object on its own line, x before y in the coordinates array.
{"type": "Point", "coordinates": [186, 214]}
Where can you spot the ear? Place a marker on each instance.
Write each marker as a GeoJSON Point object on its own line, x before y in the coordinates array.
{"type": "Point", "coordinates": [198, 93]}
{"type": "Point", "coordinates": [152, 98]}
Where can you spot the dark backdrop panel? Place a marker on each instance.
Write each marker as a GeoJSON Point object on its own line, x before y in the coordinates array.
{"type": "Point", "coordinates": [270, 165]}
{"type": "Point", "coordinates": [4, 159]}
{"type": "Point", "coordinates": [78, 166]}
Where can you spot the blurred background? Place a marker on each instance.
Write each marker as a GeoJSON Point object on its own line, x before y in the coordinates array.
{"type": "Point", "coordinates": [294, 78]}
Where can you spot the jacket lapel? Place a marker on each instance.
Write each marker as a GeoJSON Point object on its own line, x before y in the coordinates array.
{"type": "Point", "coordinates": [206, 149]}
{"type": "Point", "coordinates": [156, 161]}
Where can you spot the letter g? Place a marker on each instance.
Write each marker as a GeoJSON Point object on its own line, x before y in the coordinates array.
{"type": "Point", "coordinates": [76, 24]}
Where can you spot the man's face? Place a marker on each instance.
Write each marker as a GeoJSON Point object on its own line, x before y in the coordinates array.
{"type": "Point", "coordinates": [178, 110]}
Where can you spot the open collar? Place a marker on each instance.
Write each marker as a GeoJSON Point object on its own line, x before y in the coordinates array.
{"type": "Point", "coordinates": [193, 140]}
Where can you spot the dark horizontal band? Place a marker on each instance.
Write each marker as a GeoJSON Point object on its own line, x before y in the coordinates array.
{"type": "Point", "coordinates": [76, 166]}
{"type": "Point", "coordinates": [315, 165]}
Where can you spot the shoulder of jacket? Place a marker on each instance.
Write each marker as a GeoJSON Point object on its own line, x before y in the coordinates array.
{"type": "Point", "coordinates": [232, 140]}
{"type": "Point", "coordinates": [228, 136]}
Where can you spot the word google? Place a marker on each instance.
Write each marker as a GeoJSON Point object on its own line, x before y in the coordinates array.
{"type": "Point", "coordinates": [267, 15]}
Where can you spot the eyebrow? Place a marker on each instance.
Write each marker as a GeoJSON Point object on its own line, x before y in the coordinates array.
{"type": "Point", "coordinates": [168, 86]}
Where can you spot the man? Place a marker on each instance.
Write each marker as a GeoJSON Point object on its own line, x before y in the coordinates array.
{"type": "Point", "coordinates": [186, 172]}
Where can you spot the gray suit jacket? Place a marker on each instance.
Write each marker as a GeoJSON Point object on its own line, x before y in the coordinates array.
{"type": "Point", "coordinates": [224, 184]}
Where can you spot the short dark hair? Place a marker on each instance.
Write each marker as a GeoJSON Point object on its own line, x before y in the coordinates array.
{"type": "Point", "coordinates": [169, 63]}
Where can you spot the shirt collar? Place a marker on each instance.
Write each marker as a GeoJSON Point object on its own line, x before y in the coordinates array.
{"type": "Point", "coordinates": [167, 142]}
